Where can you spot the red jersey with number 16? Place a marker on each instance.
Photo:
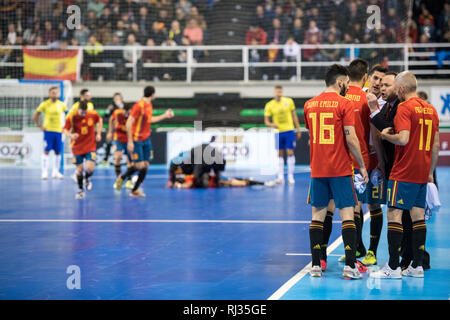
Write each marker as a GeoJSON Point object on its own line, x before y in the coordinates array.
{"type": "Point", "coordinates": [142, 114]}
{"type": "Point", "coordinates": [325, 117]}
{"type": "Point", "coordinates": [412, 162]}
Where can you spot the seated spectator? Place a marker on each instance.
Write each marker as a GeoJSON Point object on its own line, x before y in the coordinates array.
{"type": "Point", "coordinates": [297, 31]}
{"type": "Point", "coordinates": [194, 14]}
{"type": "Point", "coordinates": [151, 56]}
{"type": "Point", "coordinates": [277, 34]}
{"type": "Point", "coordinates": [175, 32]}
{"type": "Point", "coordinates": [131, 55]}
{"type": "Point", "coordinates": [184, 5]}
{"type": "Point", "coordinates": [347, 52]}
{"type": "Point", "coordinates": [312, 54]}
{"type": "Point", "coordinates": [49, 35]}
{"type": "Point", "coordinates": [193, 32]}
{"type": "Point", "coordinates": [157, 33]}
{"type": "Point", "coordinates": [163, 18]}
{"type": "Point", "coordinates": [91, 21]}
{"type": "Point", "coordinates": [144, 21]}
{"type": "Point", "coordinates": [168, 56]}
{"type": "Point", "coordinates": [120, 31]}
{"type": "Point", "coordinates": [291, 51]}
{"type": "Point", "coordinates": [333, 29]}
{"type": "Point", "coordinates": [331, 54]}
{"type": "Point", "coordinates": [180, 16]}
{"type": "Point", "coordinates": [407, 28]}
{"type": "Point", "coordinates": [428, 28]}
{"type": "Point", "coordinates": [135, 30]}
{"type": "Point", "coordinates": [313, 30]}
{"type": "Point", "coordinates": [104, 35]}
{"type": "Point", "coordinates": [29, 36]}
{"type": "Point", "coordinates": [256, 33]}
{"type": "Point", "coordinates": [97, 6]}
{"type": "Point", "coordinates": [129, 8]}
{"type": "Point", "coordinates": [260, 19]}
{"type": "Point", "coordinates": [12, 34]}
{"type": "Point", "coordinates": [63, 33]}
{"type": "Point", "coordinates": [107, 19]}
{"type": "Point", "coordinates": [92, 53]}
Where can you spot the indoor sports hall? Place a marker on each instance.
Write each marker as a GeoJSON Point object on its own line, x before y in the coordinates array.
{"type": "Point", "coordinates": [112, 110]}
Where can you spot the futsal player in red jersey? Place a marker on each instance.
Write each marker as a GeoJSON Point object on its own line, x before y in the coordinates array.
{"type": "Point", "coordinates": [416, 139]}
{"type": "Point", "coordinates": [330, 118]}
{"type": "Point", "coordinates": [139, 145]}
{"type": "Point", "coordinates": [80, 128]}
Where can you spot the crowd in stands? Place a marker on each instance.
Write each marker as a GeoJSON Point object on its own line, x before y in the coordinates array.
{"type": "Point", "coordinates": [185, 22]}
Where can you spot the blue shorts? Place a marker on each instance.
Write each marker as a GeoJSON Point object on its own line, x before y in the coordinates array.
{"type": "Point", "coordinates": [53, 141]}
{"type": "Point", "coordinates": [405, 195]}
{"type": "Point", "coordinates": [90, 156]}
{"type": "Point", "coordinates": [121, 147]}
{"type": "Point", "coordinates": [373, 194]}
{"type": "Point", "coordinates": [143, 150]}
{"type": "Point", "coordinates": [341, 189]}
{"type": "Point", "coordinates": [285, 140]}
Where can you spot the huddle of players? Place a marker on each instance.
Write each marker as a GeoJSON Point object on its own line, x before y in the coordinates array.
{"type": "Point", "coordinates": [83, 125]}
{"type": "Point", "coordinates": [340, 148]}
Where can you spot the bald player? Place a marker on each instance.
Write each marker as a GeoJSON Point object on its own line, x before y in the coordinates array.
{"type": "Point", "coordinates": [416, 139]}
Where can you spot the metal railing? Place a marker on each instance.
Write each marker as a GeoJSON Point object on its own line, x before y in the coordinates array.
{"type": "Point", "coordinates": [245, 63]}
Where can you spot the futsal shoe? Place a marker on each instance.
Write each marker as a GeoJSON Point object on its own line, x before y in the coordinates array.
{"type": "Point", "coordinates": [57, 175]}
{"type": "Point", "coordinates": [370, 259]}
{"type": "Point", "coordinates": [137, 194]}
{"type": "Point", "coordinates": [280, 180]}
{"type": "Point", "coordinates": [80, 195]}
{"type": "Point", "coordinates": [323, 265]}
{"type": "Point", "coordinates": [315, 271]}
{"type": "Point", "coordinates": [270, 183]}
{"type": "Point", "coordinates": [44, 175]}
{"type": "Point", "coordinates": [387, 273]}
{"type": "Point", "coordinates": [118, 183]}
{"type": "Point", "coordinates": [351, 273]}
{"type": "Point", "coordinates": [361, 267]}
{"type": "Point", "coordinates": [129, 185]}
{"type": "Point", "coordinates": [291, 179]}
{"type": "Point", "coordinates": [88, 184]}
{"type": "Point", "coordinates": [416, 272]}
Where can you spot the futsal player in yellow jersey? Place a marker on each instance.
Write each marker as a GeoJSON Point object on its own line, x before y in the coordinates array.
{"type": "Point", "coordinates": [53, 110]}
{"type": "Point", "coordinates": [284, 119]}
{"type": "Point", "coordinates": [85, 95]}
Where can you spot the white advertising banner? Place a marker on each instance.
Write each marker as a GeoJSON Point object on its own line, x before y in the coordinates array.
{"type": "Point", "coordinates": [440, 99]}
{"type": "Point", "coordinates": [252, 149]}
{"type": "Point", "coordinates": [21, 148]}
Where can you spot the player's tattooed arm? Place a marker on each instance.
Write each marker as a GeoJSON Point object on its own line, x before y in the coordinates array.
{"type": "Point", "coordinates": [355, 150]}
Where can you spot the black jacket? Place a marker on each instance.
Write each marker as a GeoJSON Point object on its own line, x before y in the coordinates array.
{"type": "Point", "coordinates": [385, 119]}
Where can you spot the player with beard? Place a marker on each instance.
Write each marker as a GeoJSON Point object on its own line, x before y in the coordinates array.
{"type": "Point", "coordinates": [330, 117]}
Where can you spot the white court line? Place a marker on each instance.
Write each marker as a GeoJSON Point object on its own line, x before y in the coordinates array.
{"type": "Point", "coordinates": [159, 221]}
{"type": "Point", "coordinates": [297, 277]}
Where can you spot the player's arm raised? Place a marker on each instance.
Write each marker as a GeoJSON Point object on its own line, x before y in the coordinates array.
{"type": "Point", "coordinates": [355, 149]}
{"type": "Point", "coordinates": [166, 115]}
{"type": "Point", "coordinates": [434, 156]}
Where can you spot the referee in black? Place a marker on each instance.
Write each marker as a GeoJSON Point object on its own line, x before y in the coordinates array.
{"type": "Point", "coordinates": [382, 119]}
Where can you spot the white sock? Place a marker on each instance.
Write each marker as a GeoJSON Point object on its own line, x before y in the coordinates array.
{"type": "Point", "coordinates": [280, 168]}
{"type": "Point", "coordinates": [56, 162]}
{"type": "Point", "coordinates": [44, 162]}
{"type": "Point", "coordinates": [291, 165]}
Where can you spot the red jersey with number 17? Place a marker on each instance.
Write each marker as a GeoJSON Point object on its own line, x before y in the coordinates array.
{"type": "Point", "coordinates": [85, 127]}
{"type": "Point", "coordinates": [412, 162]}
{"type": "Point", "coordinates": [325, 117]}
{"type": "Point", "coordinates": [142, 114]}
{"type": "Point", "coordinates": [362, 122]}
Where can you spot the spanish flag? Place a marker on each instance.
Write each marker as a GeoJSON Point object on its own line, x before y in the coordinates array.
{"type": "Point", "coordinates": [51, 64]}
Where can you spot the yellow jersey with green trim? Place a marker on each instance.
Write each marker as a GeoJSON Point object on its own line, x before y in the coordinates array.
{"type": "Point", "coordinates": [76, 104]}
{"type": "Point", "coordinates": [53, 114]}
{"type": "Point", "coordinates": [281, 113]}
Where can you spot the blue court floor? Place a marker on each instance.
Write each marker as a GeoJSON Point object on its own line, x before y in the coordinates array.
{"type": "Point", "coordinates": [241, 243]}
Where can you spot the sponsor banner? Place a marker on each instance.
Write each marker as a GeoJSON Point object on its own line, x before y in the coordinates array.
{"type": "Point", "coordinates": [21, 148]}
{"type": "Point", "coordinates": [444, 153]}
{"type": "Point", "coordinates": [252, 149]}
{"type": "Point", "coordinates": [440, 99]}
